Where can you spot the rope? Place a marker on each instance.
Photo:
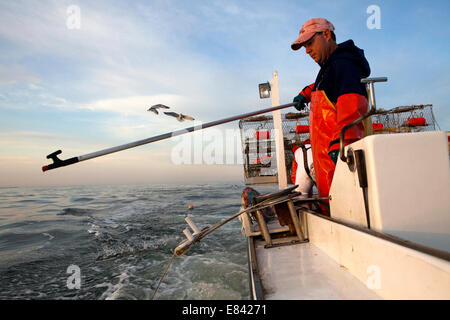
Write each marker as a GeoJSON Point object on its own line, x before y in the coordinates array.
{"type": "Point", "coordinates": [163, 275]}
{"type": "Point", "coordinates": [207, 230]}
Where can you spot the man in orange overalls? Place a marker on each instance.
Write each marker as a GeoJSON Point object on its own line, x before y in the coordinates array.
{"type": "Point", "coordinates": [337, 96]}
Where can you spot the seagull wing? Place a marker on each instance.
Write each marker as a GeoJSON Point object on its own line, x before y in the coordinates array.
{"type": "Point", "coordinates": [160, 106]}
{"type": "Point", "coordinates": [172, 114]}
{"type": "Point", "coordinates": [152, 109]}
{"type": "Point", "coordinates": [187, 117]}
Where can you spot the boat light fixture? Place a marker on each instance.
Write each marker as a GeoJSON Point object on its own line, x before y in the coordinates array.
{"type": "Point", "coordinates": [264, 90]}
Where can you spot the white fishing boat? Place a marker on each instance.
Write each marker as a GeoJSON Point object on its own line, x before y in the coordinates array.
{"type": "Point", "coordinates": [387, 235]}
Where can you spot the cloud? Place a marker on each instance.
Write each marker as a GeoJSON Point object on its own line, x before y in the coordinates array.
{"type": "Point", "coordinates": [150, 50]}
{"type": "Point", "coordinates": [14, 73]}
{"type": "Point", "coordinates": [134, 105]}
{"type": "Point", "coordinates": [118, 58]}
{"type": "Point", "coordinates": [93, 85]}
{"type": "Point", "coordinates": [37, 144]}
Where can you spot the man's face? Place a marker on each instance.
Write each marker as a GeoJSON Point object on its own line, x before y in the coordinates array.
{"type": "Point", "coordinates": [318, 47]}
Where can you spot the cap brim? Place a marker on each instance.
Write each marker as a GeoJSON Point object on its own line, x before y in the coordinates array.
{"type": "Point", "coordinates": [297, 44]}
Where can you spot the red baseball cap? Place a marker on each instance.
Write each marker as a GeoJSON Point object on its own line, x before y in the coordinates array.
{"type": "Point", "coordinates": [309, 29]}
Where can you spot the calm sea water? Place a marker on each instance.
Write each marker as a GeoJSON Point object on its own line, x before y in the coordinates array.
{"type": "Point", "coordinates": [121, 238]}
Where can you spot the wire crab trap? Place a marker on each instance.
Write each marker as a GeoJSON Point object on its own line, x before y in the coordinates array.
{"type": "Point", "coordinates": [259, 150]}
{"type": "Point", "coordinates": [403, 119]}
{"type": "Point", "coordinates": [258, 143]}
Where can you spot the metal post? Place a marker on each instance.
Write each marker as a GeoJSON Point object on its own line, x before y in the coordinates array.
{"type": "Point", "coordinates": [371, 97]}
{"type": "Point", "coordinates": [279, 139]}
{"type": "Point", "coordinates": [295, 220]}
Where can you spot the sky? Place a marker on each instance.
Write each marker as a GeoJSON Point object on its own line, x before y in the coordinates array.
{"type": "Point", "coordinates": [80, 75]}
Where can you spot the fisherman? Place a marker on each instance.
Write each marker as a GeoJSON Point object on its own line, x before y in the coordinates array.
{"type": "Point", "coordinates": [337, 97]}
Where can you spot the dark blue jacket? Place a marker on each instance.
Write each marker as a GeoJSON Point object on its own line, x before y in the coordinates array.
{"type": "Point", "coordinates": [342, 72]}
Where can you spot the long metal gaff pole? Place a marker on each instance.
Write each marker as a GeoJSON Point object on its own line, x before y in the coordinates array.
{"type": "Point", "coordinates": [61, 163]}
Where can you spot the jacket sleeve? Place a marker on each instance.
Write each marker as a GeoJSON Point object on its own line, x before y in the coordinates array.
{"type": "Point", "coordinates": [351, 102]}
{"type": "Point", "coordinates": [306, 92]}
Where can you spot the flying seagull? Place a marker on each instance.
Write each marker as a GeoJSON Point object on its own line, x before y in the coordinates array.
{"type": "Point", "coordinates": [180, 117]}
{"type": "Point", "coordinates": [157, 106]}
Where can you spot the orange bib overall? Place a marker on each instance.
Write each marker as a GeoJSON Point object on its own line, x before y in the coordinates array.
{"type": "Point", "coordinates": [325, 122]}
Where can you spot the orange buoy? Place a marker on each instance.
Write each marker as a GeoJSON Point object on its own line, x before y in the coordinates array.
{"type": "Point", "coordinates": [414, 122]}
{"type": "Point", "coordinates": [264, 134]}
{"type": "Point", "coordinates": [376, 126]}
{"type": "Point", "coordinates": [301, 128]}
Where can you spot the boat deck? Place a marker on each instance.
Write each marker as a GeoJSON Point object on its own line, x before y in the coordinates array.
{"type": "Point", "coordinates": [303, 271]}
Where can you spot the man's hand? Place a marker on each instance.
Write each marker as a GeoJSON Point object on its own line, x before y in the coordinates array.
{"type": "Point", "coordinates": [301, 102]}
